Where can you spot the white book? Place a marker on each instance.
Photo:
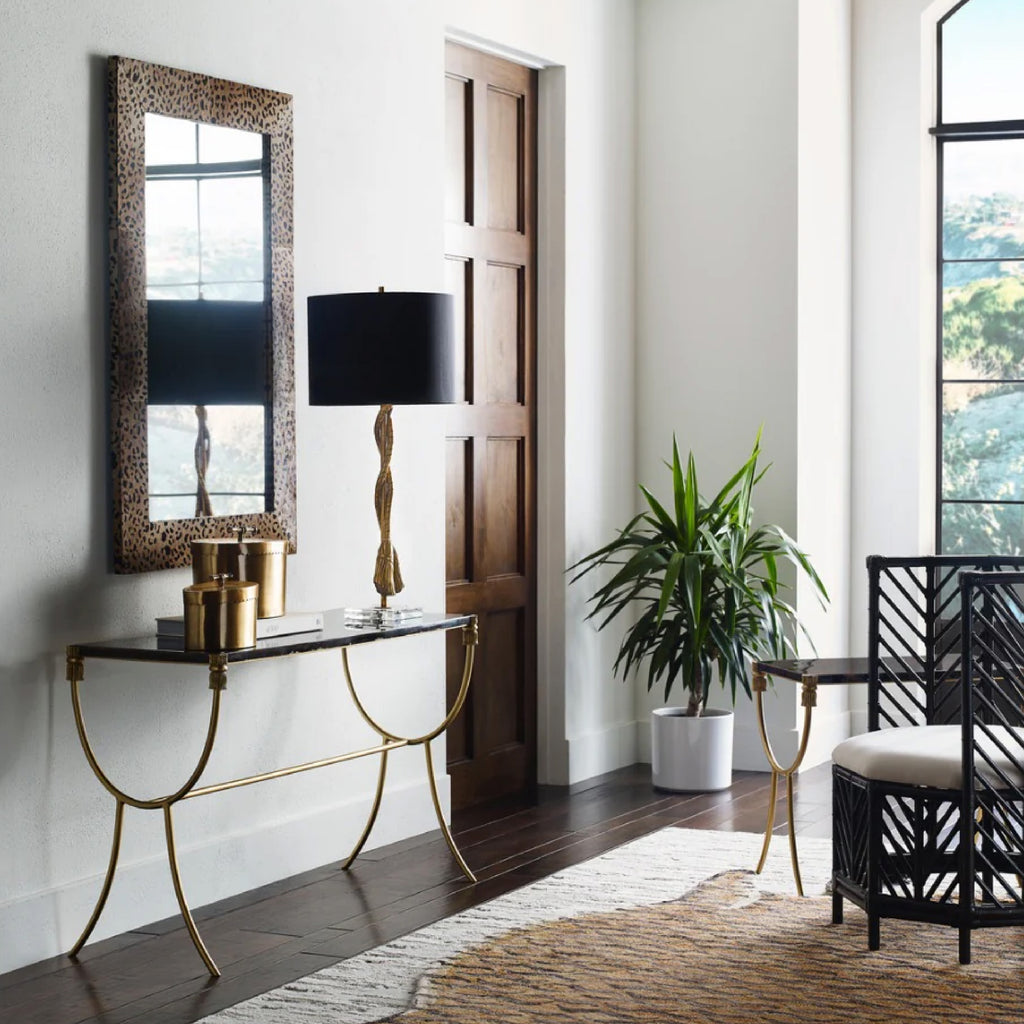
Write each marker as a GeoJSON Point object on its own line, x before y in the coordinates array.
{"type": "Point", "coordinates": [281, 625]}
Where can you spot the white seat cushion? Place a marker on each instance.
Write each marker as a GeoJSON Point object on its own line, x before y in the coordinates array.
{"type": "Point", "coordinates": [930, 755]}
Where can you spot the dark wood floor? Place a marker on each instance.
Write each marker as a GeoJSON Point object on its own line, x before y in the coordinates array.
{"type": "Point", "coordinates": [284, 931]}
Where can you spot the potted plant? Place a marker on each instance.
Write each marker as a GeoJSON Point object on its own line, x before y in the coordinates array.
{"type": "Point", "coordinates": [703, 583]}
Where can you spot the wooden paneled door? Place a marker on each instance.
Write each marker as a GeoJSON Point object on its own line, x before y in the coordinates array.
{"type": "Point", "coordinates": [490, 261]}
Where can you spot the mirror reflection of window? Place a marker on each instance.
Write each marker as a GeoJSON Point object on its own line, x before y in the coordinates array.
{"type": "Point", "coordinates": [205, 235]}
{"type": "Point", "coordinates": [204, 211]}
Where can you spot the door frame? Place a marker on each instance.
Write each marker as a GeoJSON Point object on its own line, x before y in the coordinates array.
{"type": "Point", "coordinates": [552, 741]}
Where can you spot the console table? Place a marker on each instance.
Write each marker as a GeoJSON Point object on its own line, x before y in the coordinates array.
{"type": "Point", "coordinates": [335, 634]}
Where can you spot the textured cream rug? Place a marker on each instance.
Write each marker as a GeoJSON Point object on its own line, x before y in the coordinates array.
{"type": "Point", "coordinates": [411, 978]}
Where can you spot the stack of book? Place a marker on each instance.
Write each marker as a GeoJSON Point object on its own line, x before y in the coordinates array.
{"type": "Point", "coordinates": [281, 625]}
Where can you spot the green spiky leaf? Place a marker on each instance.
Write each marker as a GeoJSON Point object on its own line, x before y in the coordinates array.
{"type": "Point", "coordinates": [703, 587]}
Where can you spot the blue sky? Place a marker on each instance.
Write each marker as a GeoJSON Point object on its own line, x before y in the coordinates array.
{"type": "Point", "coordinates": [983, 80]}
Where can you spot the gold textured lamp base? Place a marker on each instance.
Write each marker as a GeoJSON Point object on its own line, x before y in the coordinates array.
{"type": "Point", "coordinates": [387, 576]}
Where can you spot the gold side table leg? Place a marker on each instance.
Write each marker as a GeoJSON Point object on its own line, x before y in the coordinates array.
{"type": "Point", "coordinates": [470, 638]}
{"type": "Point", "coordinates": [792, 834]}
{"type": "Point", "coordinates": [371, 820]}
{"type": "Point", "coordinates": [808, 700]}
{"type": "Point", "coordinates": [101, 902]}
{"type": "Point", "coordinates": [445, 830]}
{"type": "Point", "coordinates": [179, 892]}
{"type": "Point", "coordinates": [770, 824]}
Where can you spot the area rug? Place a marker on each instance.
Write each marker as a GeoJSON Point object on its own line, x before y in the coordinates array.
{"type": "Point", "coordinates": [405, 975]}
{"type": "Point", "coordinates": [643, 935]}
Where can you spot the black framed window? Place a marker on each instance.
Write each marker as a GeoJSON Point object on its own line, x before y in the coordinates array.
{"type": "Point", "coordinates": [979, 132]}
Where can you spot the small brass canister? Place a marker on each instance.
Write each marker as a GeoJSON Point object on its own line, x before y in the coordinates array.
{"type": "Point", "coordinates": [254, 559]}
{"type": "Point", "coordinates": [220, 615]}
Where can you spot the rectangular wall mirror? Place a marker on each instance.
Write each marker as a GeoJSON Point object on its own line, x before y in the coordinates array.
{"type": "Point", "coordinates": [202, 385]}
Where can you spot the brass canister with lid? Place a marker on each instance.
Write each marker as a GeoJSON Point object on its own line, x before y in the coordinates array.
{"type": "Point", "coordinates": [252, 559]}
{"type": "Point", "coordinates": [220, 614]}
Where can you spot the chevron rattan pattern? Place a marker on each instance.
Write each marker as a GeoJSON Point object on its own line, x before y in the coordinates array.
{"type": "Point", "coordinates": [946, 646]}
{"type": "Point", "coordinates": [914, 637]}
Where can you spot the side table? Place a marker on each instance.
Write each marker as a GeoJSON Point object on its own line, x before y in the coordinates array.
{"type": "Point", "coordinates": [810, 673]}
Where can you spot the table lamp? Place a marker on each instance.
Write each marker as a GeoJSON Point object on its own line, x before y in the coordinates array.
{"type": "Point", "coordinates": [382, 348]}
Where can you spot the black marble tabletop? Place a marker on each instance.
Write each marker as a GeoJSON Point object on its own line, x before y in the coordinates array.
{"type": "Point", "coordinates": [334, 634]}
{"type": "Point", "coordinates": [824, 671]}
{"type": "Point", "coordinates": [833, 671]}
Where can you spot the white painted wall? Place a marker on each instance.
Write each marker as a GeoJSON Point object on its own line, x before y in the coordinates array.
{"type": "Point", "coordinates": [743, 283]}
{"type": "Point", "coordinates": [369, 126]}
{"type": "Point", "coordinates": [824, 207]}
{"type": "Point", "coordinates": [716, 253]}
{"type": "Point", "coordinates": [893, 493]}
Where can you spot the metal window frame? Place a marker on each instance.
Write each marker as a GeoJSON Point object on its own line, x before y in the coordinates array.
{"type": "Point", "coordinates": [971, 131]}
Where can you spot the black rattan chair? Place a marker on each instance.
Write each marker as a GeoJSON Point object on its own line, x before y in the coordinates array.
{"type": "Point", "coordinates": [928, 805]}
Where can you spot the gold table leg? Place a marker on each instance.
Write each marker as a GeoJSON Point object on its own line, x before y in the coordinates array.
{"type": "Point", "coordinates": [108, 881]}
{"type": "Point", "coordinates": [179, 892]}
{"type": "Point", "coordinates": [808, 700]}
{"type": "Point", "coordinates": [470, 638]}
{"type": "Point", "coordinates": [372, 819]}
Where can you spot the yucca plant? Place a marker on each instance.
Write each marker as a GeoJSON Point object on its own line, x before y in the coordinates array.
{"type": "Point", "coordinates": [704, 583]}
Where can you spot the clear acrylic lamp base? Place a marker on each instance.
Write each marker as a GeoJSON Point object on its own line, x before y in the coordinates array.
{"type": "Point", "coordinates": [380, 618]}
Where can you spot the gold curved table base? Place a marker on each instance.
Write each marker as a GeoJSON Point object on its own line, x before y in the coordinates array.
{"type": "Point", "coordinates": [372, 819]}
{"type": "Point", "coordinates": [179, 892]}
{"type": "Point", "coordinates": [808, 699]}
{"type": "Point", "coordinates": [470, 637]}
{"type": "Point", "coordinates": [218, 682]}
{"type": "Point", "coordinates": [108, 881]}
{"type": "Point", "coordinates": [445, 830]}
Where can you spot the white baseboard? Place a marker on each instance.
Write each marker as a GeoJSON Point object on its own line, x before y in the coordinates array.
{"type": "Point", "coordinates": [604, 750]}
{"type": "Point", "coordinates": [858, 721]}
{"type": "Point", "coordinates": [47, 923]}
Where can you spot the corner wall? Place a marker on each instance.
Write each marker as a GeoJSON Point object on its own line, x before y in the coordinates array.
{"type": "Point", "coordinates": [743, 281]}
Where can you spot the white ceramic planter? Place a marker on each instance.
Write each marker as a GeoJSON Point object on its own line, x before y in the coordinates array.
{"type": "Point", "coordinates": [691, 754]}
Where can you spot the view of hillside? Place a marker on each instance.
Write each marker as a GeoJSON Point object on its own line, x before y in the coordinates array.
{"type": "Point", "coordinates": [983, 343]}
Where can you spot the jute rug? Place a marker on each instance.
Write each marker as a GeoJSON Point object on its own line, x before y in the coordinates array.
{"type": "Point", "coordinates": [656, 932]}
{"type": "Point", "coordinates": [597, 944]}
{"type": "Point", "coordinates": [386, 982]}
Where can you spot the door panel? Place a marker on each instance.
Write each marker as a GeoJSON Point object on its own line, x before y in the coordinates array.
{"type": "Point", "coordinates": [458, 196]}
{"type": "Point", "coordinates": [458, 279]}
{"type": "Point", "coordinates": [504, 331]}
{"type": "Point", "coordinates": [490, 249]}
{"type": "Point", "coordinates": [459, 514]}
{"type": "Point", "coordinates": [505, 170]}
{"type": "Point", "coordinates": [503, 501]}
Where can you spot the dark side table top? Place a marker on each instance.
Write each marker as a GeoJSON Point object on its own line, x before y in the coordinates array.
{"type": "Point", "coordinates": [823, 671]}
